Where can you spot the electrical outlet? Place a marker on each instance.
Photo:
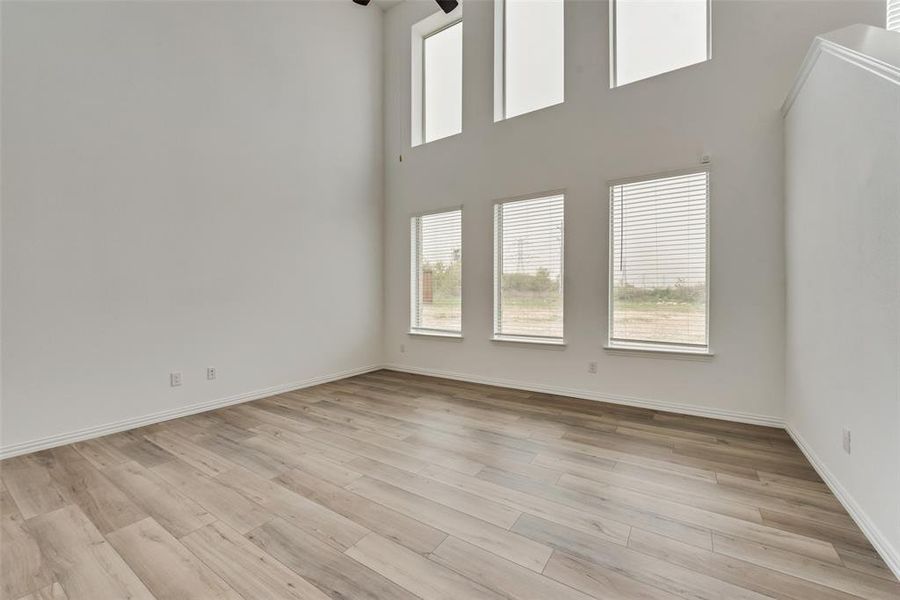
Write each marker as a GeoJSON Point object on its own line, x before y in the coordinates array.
{"type": "Point", "coordinates": [402, 348]}
{"type": "Point", "coordinates": [175, 378]}
{"type": "Point", "coordinates": [210, 373]}
{"type": "Point", "coordinates": [592, 367]}
{"type": "Point", "coordinates": [846, 440]}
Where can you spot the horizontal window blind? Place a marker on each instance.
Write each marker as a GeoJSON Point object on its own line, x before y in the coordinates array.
{"type": "Point", "coordinates": [528, 268]}
{"type": "Point", "coordinates": [436, 275]}
{"type": "Point", "coordinates": [893, 15]}
{"type": "Point", "coordinates": [658, 244]}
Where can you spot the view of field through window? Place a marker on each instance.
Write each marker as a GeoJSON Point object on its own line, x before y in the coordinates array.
{"type": "Point", "coordinates": [529, 268]}
{"type": "Point", "coordinates": [659, 246]}
{"type": "Point", "coordinates": [437, 271]}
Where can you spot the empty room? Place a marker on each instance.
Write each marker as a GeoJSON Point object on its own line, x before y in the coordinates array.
{"type": "Point", "coordinates": [450, 299]}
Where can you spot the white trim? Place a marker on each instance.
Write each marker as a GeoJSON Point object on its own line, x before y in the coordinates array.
{"type": "Point", "coordinates": [425, 37]}
{"type": "Point", "coordinates": [672, 407]}
{"type": "Point", "coordinates": [415, 245]}
{"type": "Point", "coordinates": [613, 61]}
{"type": "Point", "coordinates": [497, 335]}
{"type": "Point", "coordinates": [525, 339]}
{"type": "Point", "coordinates": [701, 168]}
{"type": "Point", "coordinates": [530, 196]}
{"type": "Point", "coordinates": [499, 60]}
{"type": "Point", "coordinates": [860, 45]}
{"type": "Point", "coordinates": [613, 345]}
{"type": "Point", "coordinates": [880, 542]}
{"type": "Point", "coordinates": [500, 70]}
{"type": "Point", "coordinates": [883, 546]}
{"type": "Point", "coordinates": [436, 211]}
{"type": "Point", "coordinates": [699, 353]}
{"type": "Point", "coordinates": [427, 27]}
{"type": "Point", "coordinates": [437, 333]}
{"type": "Point", "coordinates": [125, 424]}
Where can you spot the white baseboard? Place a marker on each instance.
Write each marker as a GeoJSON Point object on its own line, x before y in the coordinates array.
{"type": "Point", "coordinates": [157, 417]}
{"type": "Point", "coordinates": [878, 540]}
{"type": "Point", "coordinates": [108, 428]}
{"type": "Point", "coordinates": [673, 407]}
{"type": "Point", "coordinates": [883, 546]}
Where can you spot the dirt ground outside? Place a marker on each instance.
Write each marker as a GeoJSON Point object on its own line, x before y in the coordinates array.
{"type": "Point", "coordinates": [664, 322]}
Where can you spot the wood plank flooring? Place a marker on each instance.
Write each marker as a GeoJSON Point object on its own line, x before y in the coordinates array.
{"type": "Point", "coordinates": [402, 487]}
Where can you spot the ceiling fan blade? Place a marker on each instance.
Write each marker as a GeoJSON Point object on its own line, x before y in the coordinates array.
{"type": "Point", "coordinates": [447, 5]}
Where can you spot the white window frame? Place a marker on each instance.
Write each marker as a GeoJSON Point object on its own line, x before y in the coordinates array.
{"type": "Point", "coordinates": [497, 336]}
{"type": "Point", "coordinates": [654, 346]}
{"type": "Point", "coordinates": [612, 46]}
{"type": "Point", "coordinates": [414, 329]}
{"type": "Point", "coordinates": [420, 31]}
{"type": "Point", "coordinates": [500, 63]}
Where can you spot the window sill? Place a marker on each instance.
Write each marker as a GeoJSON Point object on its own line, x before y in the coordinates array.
{"type": "Point", "coordinates": [530, 340]}
{"type": "Point", "coordinates": [423, 142]}
{"type": "Point", "coordinates": [660, 351]}
{"type": "Point", "coordinates": [502, 118]}
{"type": "Point", "coordinates": [436, 334]}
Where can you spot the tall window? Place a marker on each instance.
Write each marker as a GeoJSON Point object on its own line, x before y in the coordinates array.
{"type": "Point", "coordinates": [650, 37]}
{"type": "Point", "coordinates": [529, 56]}
{"type": "Point", "coordinates": [436, 261]}
{"type": "Point", "coordinates": [893, 15]}
{"type": "Point", "coordinates": [658, 254]}
{"type": "Point", "coordinates": [442, 82]}
{"type": "Point", "coordinates": [528, 270]}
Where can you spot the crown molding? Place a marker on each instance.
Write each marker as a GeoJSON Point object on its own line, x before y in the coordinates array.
{"type": "Point", "coordinates": [870, 48]}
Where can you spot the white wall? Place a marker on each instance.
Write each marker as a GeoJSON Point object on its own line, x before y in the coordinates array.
{"type": "Point", "coordinates": [728, 107]}
{"type": "Point", "coordinates": [185, 184]}
{"type": "Point", "coordinates": [199, 184]}
{"type": "Point", "coordinates": [843, 293]}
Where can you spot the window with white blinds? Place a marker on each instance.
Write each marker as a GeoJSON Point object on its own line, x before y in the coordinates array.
{"type": "Point", "coordinates": [528, 270]}
{"type": "Point", "coordinates": [658, 253]}
{"type": "Point", "coordinates": [893, 15]}
{"type": "Point", "coordinates": [436, 273]}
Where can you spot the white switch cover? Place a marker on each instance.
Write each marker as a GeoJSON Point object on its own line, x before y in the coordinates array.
{"type": "Point", "coordinates": [175, 379]}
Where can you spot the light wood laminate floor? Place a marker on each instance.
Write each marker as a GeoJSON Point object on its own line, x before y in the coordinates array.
{"type": "Point", "coordinates": [396, 486]}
